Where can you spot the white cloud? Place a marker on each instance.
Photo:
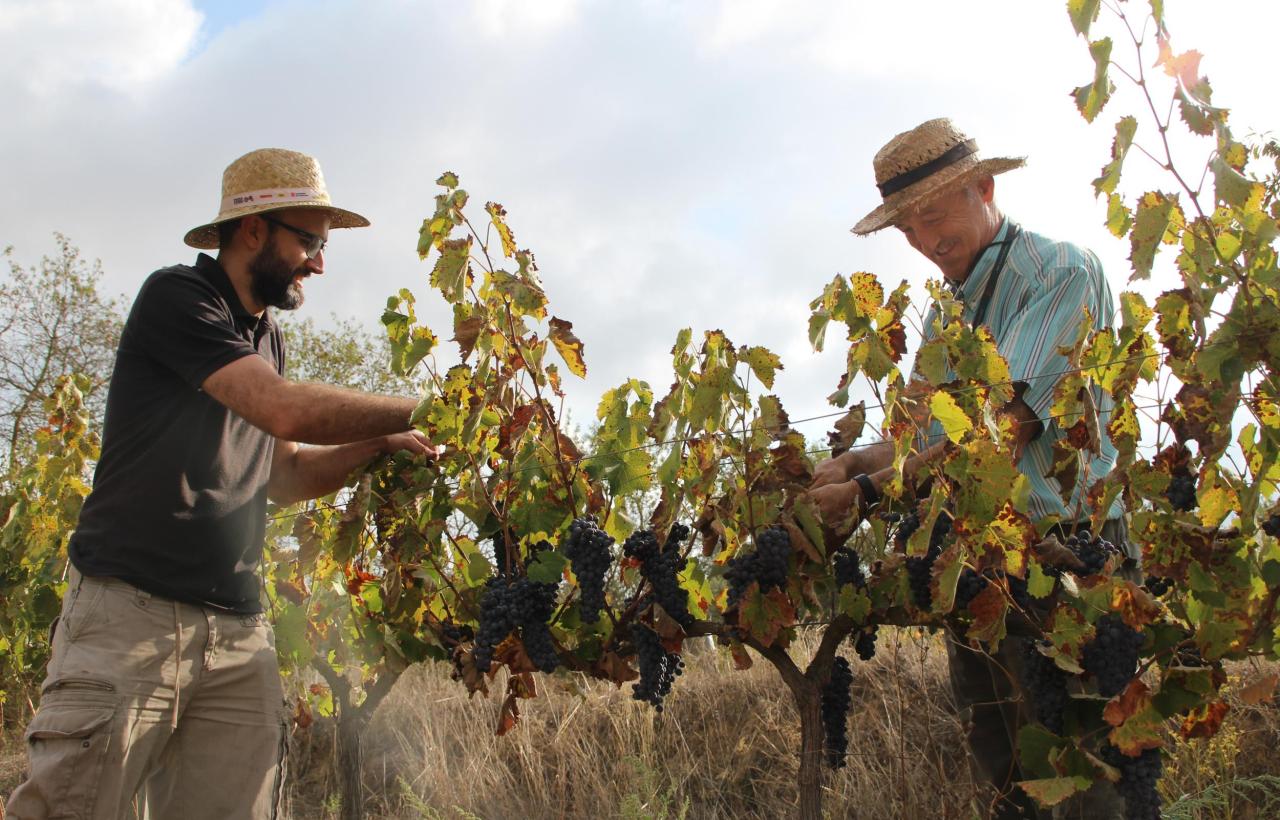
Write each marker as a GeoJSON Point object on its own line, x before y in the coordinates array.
{"type": "Point", "coordinates": [520, 18]}
{"type": "Point", "coordinates": [49, 45]}
{"type": "Point", "coordinates": [672, 164]}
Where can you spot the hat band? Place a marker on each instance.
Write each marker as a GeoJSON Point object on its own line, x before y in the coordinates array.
{"type": "Point", "coordinates": [274, 196]}
{"type": "Point", "coordinates": [908, 178]}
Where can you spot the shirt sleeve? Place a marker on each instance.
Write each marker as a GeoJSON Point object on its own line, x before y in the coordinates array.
{"type": "Point", "coordinates": [1048, 322]}
{"type": "Point", "coordinates": [182, 323]}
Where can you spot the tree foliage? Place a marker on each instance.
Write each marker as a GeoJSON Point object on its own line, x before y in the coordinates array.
{"type": "Point", "coordinates": [54, 321]}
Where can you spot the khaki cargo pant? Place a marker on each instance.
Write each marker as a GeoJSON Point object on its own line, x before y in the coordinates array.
{"type": "Point", "coordinates": [993, 711]}
{"type": "Point", "coordinates": [156, 709]}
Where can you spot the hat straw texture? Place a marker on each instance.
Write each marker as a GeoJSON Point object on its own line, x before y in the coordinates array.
{"type": "Point", "coordinates": [919, 164]}
{"type": "Point", "coordinates": [270, 179]}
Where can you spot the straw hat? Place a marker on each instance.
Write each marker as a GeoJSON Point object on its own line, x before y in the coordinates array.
{"type": "Point", "coordinates": [270, 179]}
{"type": "Point", "coordinates": [917, 164]}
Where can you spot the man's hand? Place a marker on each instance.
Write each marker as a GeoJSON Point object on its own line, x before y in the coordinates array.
{"type": "Point", "coordinates": [832, 471]}
{"type": "Point", "coordinates": [837, 502]}
{"type": "Point", "coordinates": [412, 441]}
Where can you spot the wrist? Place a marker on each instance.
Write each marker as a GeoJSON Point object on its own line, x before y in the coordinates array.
{"type": "Point", "coordinates": [869, 494]}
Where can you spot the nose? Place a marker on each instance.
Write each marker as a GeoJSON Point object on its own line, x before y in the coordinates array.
{"type": "Point", "coordinates": [315, 265]}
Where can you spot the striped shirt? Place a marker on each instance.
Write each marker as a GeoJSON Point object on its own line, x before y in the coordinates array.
{"type": "Point", "coordinates": [1036, 307]}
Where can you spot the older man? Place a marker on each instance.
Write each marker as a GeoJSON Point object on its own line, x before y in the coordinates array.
{"type": "Point", "coordinates": [1031, 292]}
{"type": "Point", "coordinates": [163, 673]}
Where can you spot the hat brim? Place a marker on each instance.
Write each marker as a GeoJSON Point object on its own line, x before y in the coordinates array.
{"type": "Point", "coordinates": [888, 212]}
{"type": "Point", "coordinates": [205, 237]}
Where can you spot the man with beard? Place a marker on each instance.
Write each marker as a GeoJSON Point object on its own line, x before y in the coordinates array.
{"type": "Point", "coordinates": [163, 674]}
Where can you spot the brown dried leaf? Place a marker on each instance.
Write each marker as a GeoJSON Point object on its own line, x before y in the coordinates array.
{"type": "Point", "coordinates": [1054, 553]}
{"type": "Point", "coordinates": [1128, 703]}
{"type": "Point", "coordinates": [1262, 690]}
{"type": "Point", "coordinates": [1204, 722]}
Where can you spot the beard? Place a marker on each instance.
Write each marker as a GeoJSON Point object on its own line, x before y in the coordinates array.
{"type": "Point", "coordinates": [272, 280]}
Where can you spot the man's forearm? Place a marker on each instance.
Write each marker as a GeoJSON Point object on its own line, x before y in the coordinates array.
{"type": "Point", "coordinates": [322, 414]}
{"type": "Point", "coordinates": [867, 459]}
{"type": "Point", "coordinates": [312, 472]}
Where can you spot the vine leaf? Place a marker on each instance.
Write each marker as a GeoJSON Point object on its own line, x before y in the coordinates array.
{"type": "Point", "coordinates": [1092, 97]}
{"type": "Point", "coordinates": [1262, 690]}
{"type": "Point", "coordinates": [1083, 13]}
{"type": "Point", "coordinates": [763, 362]}
{"type": "Point", "coordinates": [1125, 129]}
{"type": "Point", "coordinates": [1051, 791]}
{"type": "Point", "coordinates": [1204, 722]}
{"type": "Point", "coordinates": [1153, 225]}
{"type": "Point", "coordinates": [452, 271]}
{"type": "Point", "coordinates": [498, 216]}
{"type": "Point", "coordinates": [568, 346]}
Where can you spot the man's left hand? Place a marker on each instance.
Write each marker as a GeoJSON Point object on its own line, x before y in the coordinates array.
{"type": "Point", "coordinates": [837, 502]}
{"type": "Point", "coordinates": [414, 442]}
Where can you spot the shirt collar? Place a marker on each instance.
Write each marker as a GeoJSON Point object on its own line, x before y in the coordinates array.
{"type": "Point", "coordinates": [211, 269]}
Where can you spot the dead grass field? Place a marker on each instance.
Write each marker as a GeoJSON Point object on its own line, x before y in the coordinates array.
{"type": "Point", "coordinates": [724, 748]}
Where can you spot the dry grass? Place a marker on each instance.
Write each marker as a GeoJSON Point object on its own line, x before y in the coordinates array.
{"type": "Point", "coordinates": [724, 748]}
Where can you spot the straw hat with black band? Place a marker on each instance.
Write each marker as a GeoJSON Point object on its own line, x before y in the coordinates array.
{"type": "Point", "coordinates": [919, 164]}
{"type": "Point", "coordinates": [271, 179]}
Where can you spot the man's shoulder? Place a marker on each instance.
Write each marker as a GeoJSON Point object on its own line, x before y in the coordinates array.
{"type": "Point", "coordinates": [1044, 257]}
{"type": "Point", "coordinates": [177, 285]}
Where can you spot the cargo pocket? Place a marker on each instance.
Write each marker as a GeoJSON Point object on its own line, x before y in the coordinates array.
{"type": "Point", "coordinates": [68, 741]}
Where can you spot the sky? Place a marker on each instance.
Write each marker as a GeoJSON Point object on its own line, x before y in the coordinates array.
{"type": "Point", "coordinates": [670, 163]}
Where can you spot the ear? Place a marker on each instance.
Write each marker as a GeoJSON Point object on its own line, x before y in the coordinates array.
{"type": "Point", "coordinates": [986, 188]}
{"type": "Point", "coordinates": [254, 232]}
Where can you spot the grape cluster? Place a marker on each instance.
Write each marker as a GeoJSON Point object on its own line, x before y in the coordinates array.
{"type": "Point", "coordinates": [1092, 552]}
{"type": "Point", "coordinates": [521, 604]}
{"type": "Point", "coordinates": [1272, 525]}
{"type": "Point", "coordinates": [1158, 585]}
{"type": "Point", "coordinates": [658, 667]}
{"type": "Point", "coordinates": [865, 642]}
{"type": "Point", "coordinates": [454, 634]}
{"type": "Point", "coordinates": [968, 587]}
{"type": "Point", "coordinates": [1182, 492]}
{"type": "Point", "coordinates": [836, 700]}
{"type": "Point", "coordinates": [1112, 656]}
{"type": "Point", "coordinates": [848, 569]}
{"type": "Point", "coordinates": [767, 566]}
{"type": "Point", "coordinates": [1139, 778]}
{"type": "Point", "coordinates": [1046, 686]}
{"type": "Point", "coordinates": [659, 565]}
{"type": "Point", "coordinates": [589, 550]}
{"type": "Point", "coordinates": [971, 583]}
{"type": "Point", "coordinates": [920, 567]}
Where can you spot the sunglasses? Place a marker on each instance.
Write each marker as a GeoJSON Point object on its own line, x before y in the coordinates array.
{"type": "Point", "coordinates": [312, 243]}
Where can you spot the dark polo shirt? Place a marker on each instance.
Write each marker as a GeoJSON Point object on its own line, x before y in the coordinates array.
{"type": "Point", "coordinates": [179, 498]}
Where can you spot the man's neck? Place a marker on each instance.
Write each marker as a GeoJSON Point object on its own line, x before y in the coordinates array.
{"type": "Point", "coordinates": [237, 270]}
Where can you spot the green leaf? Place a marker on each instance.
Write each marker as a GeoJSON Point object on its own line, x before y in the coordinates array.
{"type": "Point", "coordinates": [763, 363]}
{"type": "Point", "coordinates": [1200, 119]}
{"type": "Point", "coordinates": [448, 179]}
{"type": "Point", "coordinates": [1230, 187]}
{"type": "Point", "coordinates": [547, 567]}
{"type": "Point", "coordinates": [1153, 226]}
{"type": "Point", "coordinates": [1091, 98]}
{"type": "Point", "coordinates": [452, 271]}
{"type": "Point", "coordinates": [1083, 13]}
{"type": "Point", "coordinates": [1106, 184]}
{"type": "Point", "coordinates": [955, 423]}
{"type": "Point", "coordinates": [1051, 791]}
